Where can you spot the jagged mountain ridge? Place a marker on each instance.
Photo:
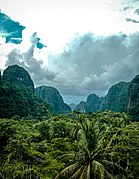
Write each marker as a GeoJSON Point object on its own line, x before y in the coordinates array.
{"type": "Point", "coordinates": [116, 98]}
{"type": "Point", "coordinates": [92, 104]}
{"type": "Point", "coordinates": [15, 74]}
{"type": "Point", "coordinates": [133, 98]}
{"type": "Point", "coordinates": [17, 96]}
{"type": "Point", "coordinates": [52, 96]}
{"type": "Point", "coordinates": [121, 97]}
{"type": "Point", "coordinates": [81, 107]}
{"type": "Point", "coordinates": [73, 106]}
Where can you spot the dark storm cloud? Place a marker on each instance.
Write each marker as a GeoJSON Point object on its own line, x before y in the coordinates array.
{"type": "Point", "coordinates": [88, 64]}
{"type": "Point", "coordinates": [137, 11]}
{"type": "Point", "coordinates": [11, 30]}
{"type": "Point", "coordinates": [27, 60]}
{"type": "Point", "coordinates": [92, 64]}
{"type": "Point", "coordinates": [126, 8]}
{"type": "Point", "coordinates": [131, 20]}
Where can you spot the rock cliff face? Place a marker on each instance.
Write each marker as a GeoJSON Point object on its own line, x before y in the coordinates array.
{"type": "Point", "coordinates": [117, 98]}
{"type": "Point", "coordinates": [133, 98]}
{"type": "Point", "coordinates": [52, 96]}
{"type": "Point", "coordinates": [73, 106]}
{"type": "Point", "coordinates": [92, 104]}
{"type": "Point", "coordinates": [17, 95]}
{"type": "Point", "coordinates": [81, 107]}
{"type": "Point", "coordinates": [17, 75]}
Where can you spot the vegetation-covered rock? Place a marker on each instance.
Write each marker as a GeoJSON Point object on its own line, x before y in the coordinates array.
{"type": "Point", "coordinates": [17, 95]}
{"type": "Point", "coordinates": [17, 75]}
{"type": "Point", "coordinates": [81, 107]}
{"type": "Point", "coordinates": [133, 98]}
{"type": "Point", "coordinates": [96, 145]}
{"type": "Point", "coordinates": [52, 96]}
{"type": "Point", "coordinates": [92, 104]}
{"type": "Point", "coordinates": [121, 97]}
{"type": "Point", "coordinates": [117, 98]}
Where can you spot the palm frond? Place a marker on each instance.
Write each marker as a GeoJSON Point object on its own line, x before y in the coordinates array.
{"type": "Point", "coordinates": [79, 173]}
{"type": "Point", "coordinates": [108, 174]}
{"type": "Point", "coordinates": [113, 165]}
{"type": "Point", "coordinates": [68, 170]}
{"type": "Point", "coordinates": [100, 170]}
{"type": "Point", "coordinates": [88, 172]}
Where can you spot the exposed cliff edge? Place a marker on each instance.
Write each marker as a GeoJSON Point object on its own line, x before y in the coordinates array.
{"type": "Point", "coordinates": [52, 96]}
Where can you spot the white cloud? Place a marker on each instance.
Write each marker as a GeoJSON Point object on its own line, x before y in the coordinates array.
{"type": "Point", "coordinates": [30, 63]}
{"type": "Point", "coordinates": [88, 64]}
{"type": "Point", "coordinates": [57, 21]}
{"type": "Point", "coordinates": [91, 64]}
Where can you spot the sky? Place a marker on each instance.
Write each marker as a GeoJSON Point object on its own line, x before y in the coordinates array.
{"type": "Point", "coordinates": [78, 46]}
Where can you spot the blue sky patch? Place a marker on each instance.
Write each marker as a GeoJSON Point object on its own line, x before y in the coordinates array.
{"type": "Point", "coordinates": [39, 44]}
{"type": "Point", "coordinates": [11, 30]}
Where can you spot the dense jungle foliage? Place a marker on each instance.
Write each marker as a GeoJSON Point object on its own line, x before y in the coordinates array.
{"type": "Point", "coordinates": [35, 143]}
{"type": "Point", "coordinates": [17, 95]}
{"type": "Point", "coordinates": [101, 145]}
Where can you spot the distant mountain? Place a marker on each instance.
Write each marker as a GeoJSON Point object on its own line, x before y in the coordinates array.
{"type": "Point", "coordinates": [16, 75]}
{"type": "Point", "coordinates": [133, 98]}
{"type": "Point", "coordinates": [92, 104]}
{"type": "Point", "coordinates": [73, 106]}
{"type": "Point", "coordinates": [17, 96]}
{"type": "Point", "coordinates": [81, 107]}
{"type": "Point", "coordinates": [116, 98]}
{"type": "Point", "coordinates": [52, 96]}
{"type": "Point", "coordinates": [121, 97]}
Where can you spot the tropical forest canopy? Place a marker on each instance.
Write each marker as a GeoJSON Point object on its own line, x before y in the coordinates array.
{"type": "Point", "coordinates": [38, 142]}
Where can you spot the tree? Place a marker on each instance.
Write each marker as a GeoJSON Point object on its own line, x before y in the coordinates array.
{"type": "Point", "coordinates": [125, 148]}
{"type": "Point", "coordinates": [92, 158]}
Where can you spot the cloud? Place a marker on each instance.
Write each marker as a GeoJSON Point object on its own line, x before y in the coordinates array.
{"type": "Point", "coordinates": [88, 64]}
{"type": "Point", "coordinates": [11, 30]}
{"type": "Point", "coordinates": [92, 64]}
{"type": "Point", "coordinates": [10, 36]}
{"type": "Point", "coordinates": [36, 41]}
{"type": "Point", "coordinates": [131, 20]}
{"type": "Point", "coordinates": [27, 60]}
{"type": "Point", "coordinates": [127, 8]}
{"type": "Point", "coordinates": [137, 11]}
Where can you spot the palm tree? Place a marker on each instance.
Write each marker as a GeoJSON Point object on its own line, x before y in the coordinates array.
{"type": "Point", "coordinates": [92, 159]}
